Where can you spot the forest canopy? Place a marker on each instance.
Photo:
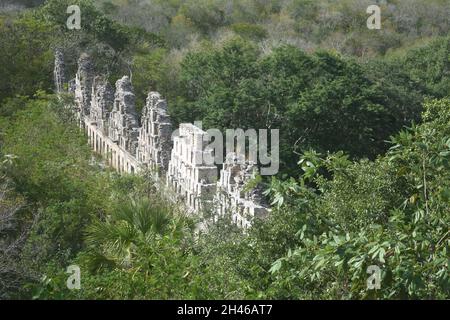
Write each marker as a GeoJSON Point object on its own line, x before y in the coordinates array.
{"type": "Point", "coordinates": [364, 119]}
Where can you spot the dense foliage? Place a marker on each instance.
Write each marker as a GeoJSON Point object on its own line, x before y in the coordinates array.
{"type": "Point", "coordinates": [365, 151]}
{"type": "Point", "coordinates": [393, 213]}
{"type": "Point", "coordinates": [322, 100]}
{"type": "Point", "coordinates": [308, 24]}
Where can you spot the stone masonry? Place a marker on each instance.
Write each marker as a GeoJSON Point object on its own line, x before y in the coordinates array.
{"type": "Point", "coordinates": [59, 72]}
{"type": "Point", "coordinates": [124, 121]}
{"type": "Point", "coordinates": [130, 145]}
{"type": "Point", "coordinates": [188, 174]}
{"type": "Point", "coordinates": [83, 87]}
{"type": "Point", "coordinates": [101, 104]}
{"type": "Point", "coordinates": [155, 134]}
{"type": "Point", "coordinates": [232, 196]}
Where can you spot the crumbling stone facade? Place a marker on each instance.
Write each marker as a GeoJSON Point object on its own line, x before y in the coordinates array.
{"type": "Point", "coordinates": [234, 195]}
{"type": "Point", "coordinates": [188, 174]}
{"type": "Point", "coordinates": [113, 129]}
{"type": "Point", "coordinates": [155, 134]}
{"type": "Point", "coordinates": [101, 104]}
{"type": "Point", "coordinates": [59, 72]}
{"type": "Point", "coordinates": [83, 87]}
{"type": "Point", "coordinates": [124, 122]}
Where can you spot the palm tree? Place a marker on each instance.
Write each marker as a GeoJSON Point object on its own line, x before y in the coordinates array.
{"type": "Point", "coordinates": [134, 224]}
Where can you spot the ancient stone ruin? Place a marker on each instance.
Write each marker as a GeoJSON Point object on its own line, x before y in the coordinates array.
{"type": "Point", "coordinates": [189, 175]}
{"type": "Point", "coordinates": [130, 144]}
{"type": "Point", "coordinates": [154, 143]}
{"type": "Point", "coordinates": [59, 72]}
{"type": "Point", "coordinates": [233, 197]}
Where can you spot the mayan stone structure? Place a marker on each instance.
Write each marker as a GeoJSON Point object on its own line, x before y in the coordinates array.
{"type": "Point", "coordinates": [124, 121]}
{"type": "Point", "coordinates": [232, 196]}
{"type": "Point", "coordinates": [188, 174]}
{"type": "Point", "coordinates": [155, 134]}
{"type": "Point", "coordinates": [130, 143]}
{"type": "Point", "coordinates": [83, 87]}
{"type": "Point", "coordinates": [101, 104]}
{"type": "Point", "coordinates": [59, 72]}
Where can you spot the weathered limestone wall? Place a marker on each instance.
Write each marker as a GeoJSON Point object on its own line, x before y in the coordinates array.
{"type": "Point", "coordinates": [155, 134]}
{"type": "Point", "coordinates": [101, 104]}
{"type": "Point", "coordinates": [124, 122]}
{"type": "Point", "coordinates": [108, 123]}
{"type": "Point", "coordinates": [59, 72]}
{"type": "Point", "coordinates": [112, 125]}
{"type": "Point", "coordinates": [232, 196]}
{"type": "Point", "coordinates": [83, 87]}
{"type": "Point", "coordinates": [117, 157]}
{"type": "Point", "coordinates": [188, 174]}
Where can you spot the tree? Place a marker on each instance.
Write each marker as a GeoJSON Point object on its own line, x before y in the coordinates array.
{"type": "Point", "coordinates": [322, 101]}
{"type": "Point", "coordinates": [392, 213]}
{"type": "Point", "coordinates": [133, 224]}
{"type": "Point", "coordinates": [25, 56]}
{"type": "Point", "coordinates": [429, 66]}
{"type": "Point", "coordinates": [14, 232]}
